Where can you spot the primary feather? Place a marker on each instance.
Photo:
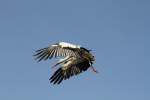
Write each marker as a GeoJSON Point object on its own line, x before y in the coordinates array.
{"type": "Point", "coordinates": [61, 49]}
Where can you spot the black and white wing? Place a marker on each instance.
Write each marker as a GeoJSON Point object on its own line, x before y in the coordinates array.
{"type": "Point", "coordinates": [61, 49]}
{"type": "Point", "coordinates": [63, 74]}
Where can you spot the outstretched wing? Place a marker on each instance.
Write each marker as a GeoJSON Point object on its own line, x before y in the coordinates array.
{"type": "Point", "coordinates": [63, 74]}
{"type": "Point", "coordinates": [55, 50]}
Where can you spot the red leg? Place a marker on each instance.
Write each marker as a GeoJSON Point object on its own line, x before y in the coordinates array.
{"type": "Point", "coordinates": [93, 69]}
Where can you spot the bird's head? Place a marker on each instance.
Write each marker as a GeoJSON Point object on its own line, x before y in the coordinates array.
{"type": "Point", "coordinates": [87, 54]}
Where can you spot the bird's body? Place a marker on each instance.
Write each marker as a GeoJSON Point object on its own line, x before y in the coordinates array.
{"type": "Point", "coordinates": [76, 59]}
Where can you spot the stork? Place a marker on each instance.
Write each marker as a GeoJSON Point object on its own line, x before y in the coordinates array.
{"type": "Point", "coordinates": [75, 59]}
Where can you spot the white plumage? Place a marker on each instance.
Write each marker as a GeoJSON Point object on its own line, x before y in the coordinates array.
{"type": "Point", "coordinates": [65, 44]}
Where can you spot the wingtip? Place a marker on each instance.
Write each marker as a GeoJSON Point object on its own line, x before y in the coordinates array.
{"type": "Point", "coordinates": [57, 77]}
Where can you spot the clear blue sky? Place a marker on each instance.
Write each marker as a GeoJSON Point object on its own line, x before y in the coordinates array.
{"type": "Point", "coordinates": [118, 31]}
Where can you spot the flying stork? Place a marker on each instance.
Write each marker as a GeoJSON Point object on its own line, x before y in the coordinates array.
{"type": "Point", "coordinates": [74, 60]}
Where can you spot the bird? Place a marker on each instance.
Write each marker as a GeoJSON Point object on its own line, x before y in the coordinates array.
{"type": "Point", "coordinates": [73, 60]}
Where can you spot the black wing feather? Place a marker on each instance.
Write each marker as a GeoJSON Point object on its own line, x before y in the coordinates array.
{"type": "Point", "coordinates": [62, 74]}
{"type": "Point", "coordinates": [55, 51]}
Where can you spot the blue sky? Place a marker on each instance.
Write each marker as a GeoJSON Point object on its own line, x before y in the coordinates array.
{"type": "Point", "coordinates": [116, 30]}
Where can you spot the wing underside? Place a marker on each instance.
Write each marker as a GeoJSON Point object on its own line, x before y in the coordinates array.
{"type": "Point", "coordinates": [54, 51]}
{"type": "Point", "coordinates": [61, 74]}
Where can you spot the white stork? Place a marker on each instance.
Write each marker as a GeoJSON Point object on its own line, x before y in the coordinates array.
{"type": "Point", "coordinates": [76, 59]}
